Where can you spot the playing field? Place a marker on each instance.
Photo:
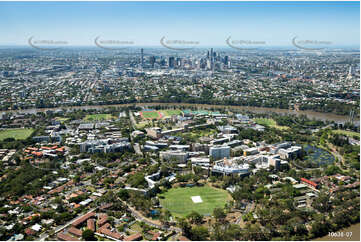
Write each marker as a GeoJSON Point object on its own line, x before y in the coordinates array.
{"type": "Point", "coordinates": [182, 201]}
{"type": "Point", "coordinates": [98, 117]}
{"type": "Point", "coordinates": [347, 133]}
{"type": "Point", "coordinates": [150, 114]}
{"type": "Point", "coordinates": [170, 112]}
{"type": "Point", "coordinates": [270, 123]}
{"type": "Point", "coordinates": [15, 133]}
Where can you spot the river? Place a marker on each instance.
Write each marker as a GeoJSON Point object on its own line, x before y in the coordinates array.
{"type": "Point", "coordinates": [310, 114]}
{"type": "Point", "coordinates": [351, 233]}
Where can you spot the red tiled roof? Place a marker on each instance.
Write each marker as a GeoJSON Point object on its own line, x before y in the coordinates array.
{"type": "Point", "coordinates": [155, 236]}
{"type": "Point", "coordinates": [62, 149]}
{"type": "Point", "coordinates": [91, 224]}
{"type": "Point", "coordinates": [183, 238]}
{"type": "Point", "coordinates": [29, 231]}
{"type": "Point", "coordinates": [75, 231]}
{"type": "Point", "coordinates": [104, 230]}
{"type": "Point", "coordinates": [66, 237]}
{"type": "Point", "coordinates": [83, 218]}
{"type": "Point", "coordinates": [102, 219]}
{"type": "Point", "coordinates": [37, 153]}
{"type": "Point", "coordinates": [309, 182]}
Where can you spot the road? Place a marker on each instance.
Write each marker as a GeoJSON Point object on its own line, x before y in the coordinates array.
{"type": "Point", "coordinates": [305, 169]}
{"type": "Point", "coordinates": [132, 119]}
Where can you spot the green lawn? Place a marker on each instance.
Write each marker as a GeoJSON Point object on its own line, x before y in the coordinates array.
{"type": "Point", "coordinates": [269, 122]}
{"type": "Point", "coordinates": [150, 114]}
{"type": "Point", "coordinates": [347, 133]}
{"type": "Point", "coordinates": [170, 112]}
{"type": "Point", "coordinates": [15, 133]}
{"type": "Point", "coordinates": [179, 202]}
{"type": "Point", "coordinates": [136, 227]}
{"type": "Point", "coordinates": [98, 117]}
{"type": "Point", "coordinates": [61, 119]}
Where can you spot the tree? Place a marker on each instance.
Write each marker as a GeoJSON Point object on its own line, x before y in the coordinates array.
{"type": "Point", "coordinates": [88, 235]}
{"type": "Point", "coordinates": [219, 214]}
{"type": "Point", "coordinates": [199, 233]}
{"type": "Point", "coordinates": [322, 203]}
{"type": "Point", "coordinates": [195, 217]}
{"type": "Point", "coordinates": [123, 194]}
{"type": "Point", "coordinates": [185, 226]}
{"type": "Point", "coordinates": [332, 170]}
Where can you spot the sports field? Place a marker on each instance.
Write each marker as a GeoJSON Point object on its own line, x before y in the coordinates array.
{"type": "Point", "coordinates": [169, 112]}
{"type": "Point", "coordinates": [151, 114]}
{"type": "Point", "coordinates": [98, 117]}
{"type": "Point", "coordinates": [15, 133]}
{"type": "Point", "coordinates": [270, 123]}
{"type": "Point", "coordinates": [154, 114]}
{"type": "Point", "coordinates": [346, 133]}
{"type": "Point", "coordinates": [182, 201]}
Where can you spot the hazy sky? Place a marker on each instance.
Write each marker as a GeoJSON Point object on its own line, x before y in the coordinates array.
{"type": "Point", "coordinates": [209, 23]}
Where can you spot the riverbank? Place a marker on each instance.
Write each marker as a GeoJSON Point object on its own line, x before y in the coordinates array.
{"type": "Point", "coordinates": [310, 114]}
{"type": "Point", "coordinates": [351, 233]}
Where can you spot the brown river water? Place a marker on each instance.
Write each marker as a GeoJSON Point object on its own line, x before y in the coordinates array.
{"type": "Point", "coordinates": [310, 114]}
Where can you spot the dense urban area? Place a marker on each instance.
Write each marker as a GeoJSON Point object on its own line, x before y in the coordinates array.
{"type": "Point", "coordinates": [325, 81]}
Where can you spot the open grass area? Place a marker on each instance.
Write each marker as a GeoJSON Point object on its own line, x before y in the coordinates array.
{"type": "Point", "coordinates": [150, 114]}
{"type": "Point", "coordinates": [179, 200]}
{"type": "Point", "coordinates": [98, 117]}
{"type": "Point", "coordinates": [270, 123]}
{"type": "Point", "coordinates": [141, 125]}
{"type": "Point", "coordinates": [136, 227]}
{"type": "Point", "coordinates": [15, 133]}
{"type": "Point", "coordinates": [169, 112]}
{"type": "Point", "coordinates": [346, 133]}
{"type": "Point", "coordinates": [61, 119]}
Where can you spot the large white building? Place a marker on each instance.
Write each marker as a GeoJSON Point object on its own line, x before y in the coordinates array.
{"type": "Point", "coordinates": [230, 166]}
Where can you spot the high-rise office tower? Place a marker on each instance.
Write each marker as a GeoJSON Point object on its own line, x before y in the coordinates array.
{"type": "Point", "coordinates": [142, 57]}
{"type": "Point", "coordinates": [152, 61]}
{"type": "Point", "coordinates": [162, 61]}
{"type": "Point", "coordinates": [171, 62]}
{"type": "Point", "coordinates": [212, 59]}
{"type": "Point", "coordinates": [226, 60]}
{"type": "Point", "coordinates": [179, 62]}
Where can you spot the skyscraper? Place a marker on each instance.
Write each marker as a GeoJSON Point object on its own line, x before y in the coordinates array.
{"type": "Point", "coordinates": [226, 60]}
{"type": "Point", "coordinates": [212, 59]}
{"type": "Point", "coordinates": [142, 57]}
{"type": "Point", "coordinates": [171, 62]}
{"type": "Point", "coordinates": [179, 62]}
{"type": "Point", "coordinates": [152, 61]}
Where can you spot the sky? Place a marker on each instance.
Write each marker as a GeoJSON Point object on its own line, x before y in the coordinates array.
{"type": "Point", "coordinates": [208, 23]}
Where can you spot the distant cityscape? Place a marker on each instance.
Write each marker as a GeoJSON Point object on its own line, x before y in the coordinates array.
{"type": "Point", "coordinates": [324, 82]}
